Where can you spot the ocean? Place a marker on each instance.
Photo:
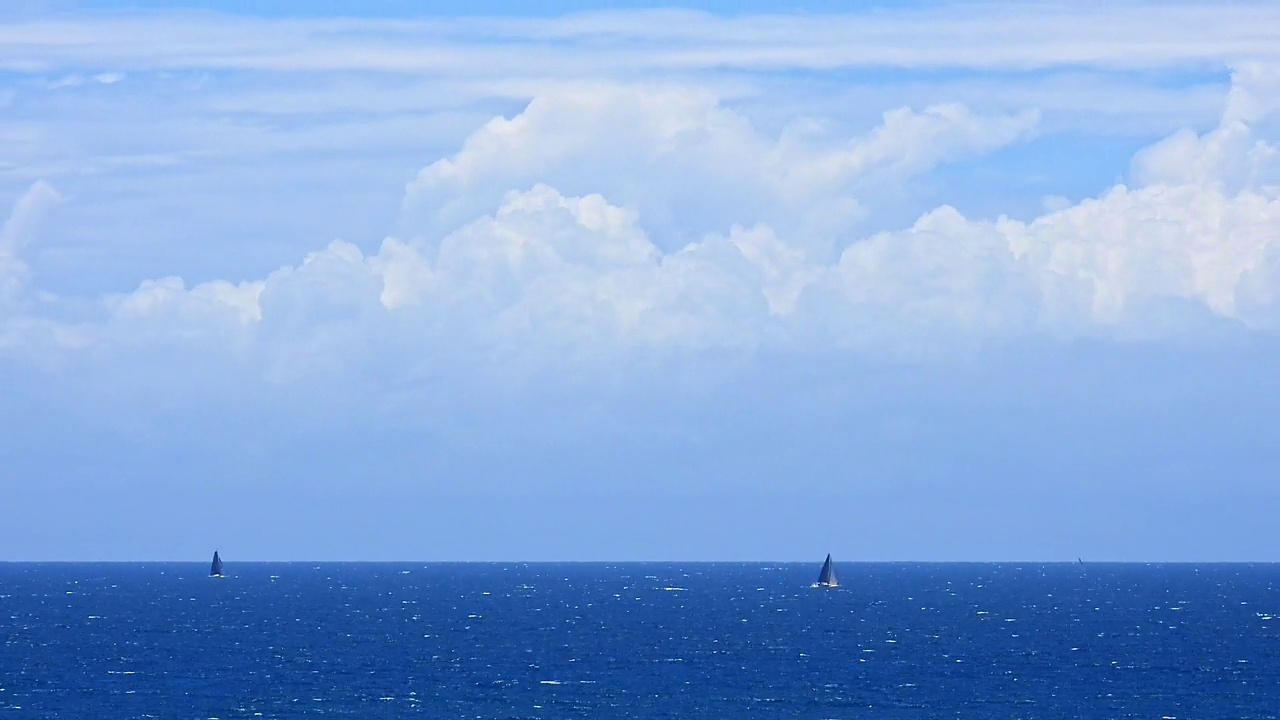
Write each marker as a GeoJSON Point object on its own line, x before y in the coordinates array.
{"type": "Point", "coordinates": [639, 640]}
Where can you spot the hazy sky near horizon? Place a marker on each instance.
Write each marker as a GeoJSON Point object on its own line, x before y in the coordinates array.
{"type": "Point", "coordinates": [928, 281]}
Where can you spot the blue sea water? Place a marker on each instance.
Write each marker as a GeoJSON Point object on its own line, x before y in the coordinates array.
{"type": "Point", "coordinates": [644, 640]}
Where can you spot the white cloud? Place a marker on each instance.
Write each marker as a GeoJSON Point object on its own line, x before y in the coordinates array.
{"type": "Point", "coordinates": [610, 221]}
{"type": "Point", "coordinates": [192, 308]}
{"type": "Point", "coordinates": [690, 165]}
{"type": "Point", "coordinates": [1139, 35]}
{"type": "Point", "coordinates": [1104, 267]}
{"type": "Point", "coordinates": [216, 112]}
{"type": "Point", "coordinates": [17, 230]}
{"type": "Point", "coordinates": [1231, 154]}
{"type": "Point", "coordinates": [550, 279]}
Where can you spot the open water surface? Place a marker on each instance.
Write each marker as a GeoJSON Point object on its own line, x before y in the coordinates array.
{"type": "Point", "coordinates": [644, 640]}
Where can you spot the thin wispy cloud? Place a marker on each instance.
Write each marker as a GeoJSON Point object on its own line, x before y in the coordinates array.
{"type": "Point", "coordinates": [986, 37]}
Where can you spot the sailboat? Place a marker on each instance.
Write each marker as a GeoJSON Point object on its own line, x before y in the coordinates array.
{"type": "Point", "coordinates": [827, 578]}
{"type": "Point", "coordinates": [215, 570]}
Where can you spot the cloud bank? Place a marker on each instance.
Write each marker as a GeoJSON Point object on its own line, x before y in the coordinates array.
{"type": "Point", "coordinates": [557, 235]}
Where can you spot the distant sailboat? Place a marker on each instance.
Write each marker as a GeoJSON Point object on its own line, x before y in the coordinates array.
{"type": "Point", "coordinates": [827, 578]}
{"type": "Point", "coordinates": [215, 570]}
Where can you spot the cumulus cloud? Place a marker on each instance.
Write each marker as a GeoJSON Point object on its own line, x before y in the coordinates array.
{"type": "Point", "coordinates": [690, 165]}
{"type": "Point", "coordinates": [1236, 154]}
{"type": "Point", "coordinates": [166, 305]}
{"type": "Point", "coordinates": [1105, 267]}
{"type": "Point", "coordinates": [17, 230]}
{"type": "Point", "coordinates": [548, 276]}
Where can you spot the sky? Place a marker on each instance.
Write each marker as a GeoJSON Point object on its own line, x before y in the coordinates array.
{"type": "Point", "coordinates": [930, 281]}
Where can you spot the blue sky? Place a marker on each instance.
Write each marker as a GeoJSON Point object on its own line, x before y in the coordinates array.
{"type": "Point", "coordinates": [922, 281]}
{"type": "Point", "coordinates": [413, 9]}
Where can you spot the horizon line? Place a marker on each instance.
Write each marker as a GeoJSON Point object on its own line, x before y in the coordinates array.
{"type": "Point", "coordinates": [1078, 561]}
